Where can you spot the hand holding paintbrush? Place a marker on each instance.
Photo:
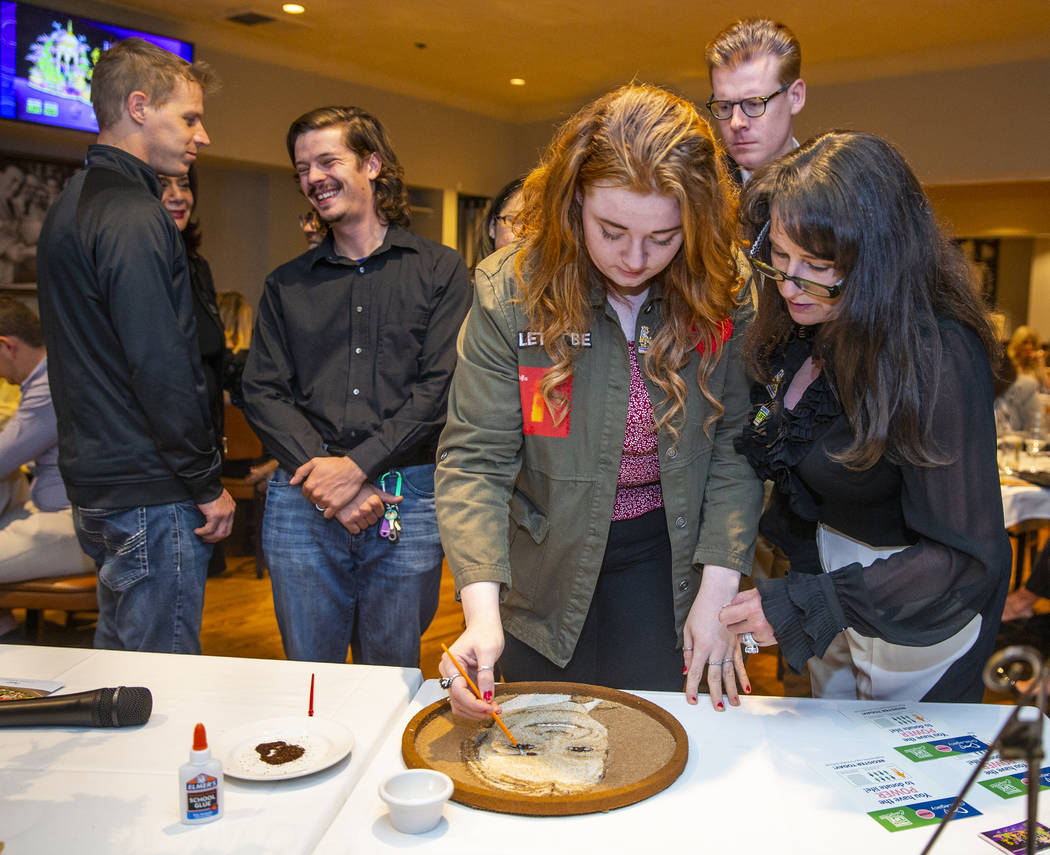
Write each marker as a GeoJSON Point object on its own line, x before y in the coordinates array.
{"type": "Point", "coordinates": [477, 693]}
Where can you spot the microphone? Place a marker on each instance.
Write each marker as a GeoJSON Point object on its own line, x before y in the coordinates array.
{"type": "Point", "coordinates": [123, 706]}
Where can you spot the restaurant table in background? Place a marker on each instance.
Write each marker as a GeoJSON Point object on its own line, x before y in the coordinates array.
{"type": "Point", "coordinates": [758, 779]}
{"type": "Point", "coordinates": [1023, 502]}
{"type": "Point", "coordinates": [1026, 509]}
{"type": "Point", "coordinates": [109, 790]}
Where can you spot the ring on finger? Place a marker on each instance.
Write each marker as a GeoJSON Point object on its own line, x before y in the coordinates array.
{"type": "Point", "coordinates": [750, 645]}
{"type": "Point", "coordinates": [484, 668]}
{"type": "Point", "coordinates": [446, 682]}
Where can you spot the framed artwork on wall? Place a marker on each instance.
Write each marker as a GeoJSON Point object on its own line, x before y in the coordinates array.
{"type": "Point", "coordinates": [28, 186]}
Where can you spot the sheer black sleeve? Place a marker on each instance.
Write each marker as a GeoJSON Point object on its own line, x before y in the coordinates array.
{"type": "Point", "coordinates": [959, 562]}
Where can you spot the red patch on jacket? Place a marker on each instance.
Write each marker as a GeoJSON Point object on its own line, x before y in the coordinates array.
{"type": "Point", "coordinates": [725, 330]}
{"type": "Point", "coordinates": [535, 415]}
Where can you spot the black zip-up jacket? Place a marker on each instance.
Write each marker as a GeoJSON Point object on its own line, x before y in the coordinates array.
{"type": "Point", "coordinates": [117, 308]}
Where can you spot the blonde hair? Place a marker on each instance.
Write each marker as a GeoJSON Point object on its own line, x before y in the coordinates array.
{"type": "Point", "coordinates": [136, 65]}
{"type": "Point", "coordinates": [1021, 335]}
{"type": "Point", "coordinates": [753, 37]}
{"type": "Point", "coordinates": [236, 317]}
{"type": "Point", "coordinates": [644, 139]}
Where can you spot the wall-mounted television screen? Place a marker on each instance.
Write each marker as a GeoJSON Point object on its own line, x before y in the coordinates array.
{"type": "Point", "coordinates": [46, 59]}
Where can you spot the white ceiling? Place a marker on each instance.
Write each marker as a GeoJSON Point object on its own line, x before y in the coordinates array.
{"type": "Point", "coordinates": [570, 51]}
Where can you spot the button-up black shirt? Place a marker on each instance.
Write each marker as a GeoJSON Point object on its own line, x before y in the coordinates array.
{"type": "Point", "coordinates": [357, 354]}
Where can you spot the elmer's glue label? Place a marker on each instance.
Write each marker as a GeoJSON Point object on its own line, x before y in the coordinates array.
{"type": "Point", "coordinates": [200, 783]}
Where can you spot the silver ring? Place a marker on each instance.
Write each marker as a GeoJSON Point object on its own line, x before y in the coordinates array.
{"type": "Point", "coordinates": [723, 662]}
{"type": "Point", "coordinates": [750, 645]}
{"type": "Point", "coordinates": [484, 668]}
{"type": "Point", "coordinates": [687, 648]}
{"type": "Point", "coordinates": [446, 682]}
{"type": "Point", "coordinates": [322, 510]}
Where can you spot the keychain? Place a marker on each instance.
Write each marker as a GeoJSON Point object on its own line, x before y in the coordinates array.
{"type": "Point", "coordinates": [390, 528]}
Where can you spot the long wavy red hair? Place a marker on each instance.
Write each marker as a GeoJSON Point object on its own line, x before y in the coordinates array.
{"type": "Point", "coordinates": [645, 139]}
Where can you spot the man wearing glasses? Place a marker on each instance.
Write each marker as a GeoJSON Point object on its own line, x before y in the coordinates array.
{"type": "Point", "coordinates": [756, 92]}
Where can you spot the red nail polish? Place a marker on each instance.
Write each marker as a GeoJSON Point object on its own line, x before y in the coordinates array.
{"type": "Point", "coordinates": [747, 689]}
{"type": "Point", "coordinates": [720, 706]}
{"type": "Point", "coordinates": [488, 695]}
{"type": "Point", "coordinates": [685, 669]}
{"type": "Point", "coordinates": [692, 699]}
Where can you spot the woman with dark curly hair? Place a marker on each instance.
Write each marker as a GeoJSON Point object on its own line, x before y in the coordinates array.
{"type": "Point", "coordinates": [592, 508]}
{"type": "Point", "coordinates": [872, 414]}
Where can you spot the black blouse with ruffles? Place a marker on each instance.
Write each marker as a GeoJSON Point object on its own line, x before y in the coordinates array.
{"type": "Point", "coordinates": [957, 560]}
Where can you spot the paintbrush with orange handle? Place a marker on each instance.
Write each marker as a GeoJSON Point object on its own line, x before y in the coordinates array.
{"type": "Point", "coordinates": [477, 693]}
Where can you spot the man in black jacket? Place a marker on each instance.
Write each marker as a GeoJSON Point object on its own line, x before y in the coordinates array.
{"type": "Point", "coordinates": [137, 450]}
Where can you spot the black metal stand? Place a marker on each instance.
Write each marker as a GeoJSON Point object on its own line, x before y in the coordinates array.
{"type": "Point", "coordinates": [1021, 737]}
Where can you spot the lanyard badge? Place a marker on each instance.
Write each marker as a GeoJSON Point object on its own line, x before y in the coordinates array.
{"type": "Point", "coordinates": [390, 528]}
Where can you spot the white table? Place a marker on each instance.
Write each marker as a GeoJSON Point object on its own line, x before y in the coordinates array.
{"type": "Point", "coordinates": [756, 781]}
{"type": "Point", "coordinates": [107, 790]}
{"type": "Point", "coordinates": [1021, 504]}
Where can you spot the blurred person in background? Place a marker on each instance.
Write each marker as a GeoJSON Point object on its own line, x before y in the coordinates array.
{"type": "Point", "coordinates": [497, 227]}
{"type": "Point", "coordinates": [37, 537]}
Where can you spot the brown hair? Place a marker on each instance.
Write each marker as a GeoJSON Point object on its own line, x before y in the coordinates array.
{"type": "Point", "coordinates": [363, 135]}
{"type": "Point", "coordinates": [136, 65]}
{"type": "Point", "coordinates": [644, 139]}
{"type": "Point", "coordinates": [747, 39]}
{"type": "Point", "coordinates": [18, 321]}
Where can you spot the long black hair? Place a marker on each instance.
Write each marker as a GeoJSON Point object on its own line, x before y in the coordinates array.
{"type": "Point", "coordinates": [191, 235]}
{"type": "Point", "coordinates": [851, 198]}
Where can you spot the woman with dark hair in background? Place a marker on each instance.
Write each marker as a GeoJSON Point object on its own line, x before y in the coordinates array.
{"type": "Point", "coordinates": [872, 414]}
{"type": "Point", "coordinates": [594, 513]}
{"type": "Point", "coordinates": [180, 198]}
{"type": "Point", "coordinates": [498, 227]}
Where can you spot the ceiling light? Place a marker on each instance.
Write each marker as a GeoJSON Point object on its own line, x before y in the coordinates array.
{"type": "Point", "coordinates": [293, 8]}
{"type": "Point", "coordinates": [517, 81]}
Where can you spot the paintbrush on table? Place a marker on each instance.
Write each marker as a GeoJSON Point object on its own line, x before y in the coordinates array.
{"type": "Point", "coordinates": [477, 694]}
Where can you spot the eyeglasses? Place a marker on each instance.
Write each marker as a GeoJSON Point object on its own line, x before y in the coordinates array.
{"type": "Point", "coordinates": [754, 106]}
{"type": "Point", "coordinates": [814, 289]}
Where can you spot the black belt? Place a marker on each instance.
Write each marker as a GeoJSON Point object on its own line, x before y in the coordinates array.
{"type": "Point", "coordinates": [421, 455]}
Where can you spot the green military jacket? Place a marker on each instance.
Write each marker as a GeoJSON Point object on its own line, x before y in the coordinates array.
{"type": "Point", "coordinates": [532, 511]}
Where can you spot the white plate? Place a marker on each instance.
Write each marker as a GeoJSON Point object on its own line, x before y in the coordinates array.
{"type": "Point", "coordinates": [326, 742]}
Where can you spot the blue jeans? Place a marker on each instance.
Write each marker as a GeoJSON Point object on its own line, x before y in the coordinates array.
{"type": "Point", "coordinates": [332, 589]}
{"type": "Point", "coordinates": [151, 575]}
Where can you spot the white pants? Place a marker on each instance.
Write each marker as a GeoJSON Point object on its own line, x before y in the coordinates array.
{"type": "Point", "coordinates": [36, 544]}
{"type": "Point", "coordinates": [857, 666]}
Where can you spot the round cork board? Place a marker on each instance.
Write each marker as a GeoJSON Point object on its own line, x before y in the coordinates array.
{"type": "Point", "coordinates": [647, 751]}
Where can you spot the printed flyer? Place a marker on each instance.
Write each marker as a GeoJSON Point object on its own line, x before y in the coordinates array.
{"type": "Point", "coordinates": [892, 795]}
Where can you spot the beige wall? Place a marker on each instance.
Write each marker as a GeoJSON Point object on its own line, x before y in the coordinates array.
{"type": "Point", "coordinates": [1039, 295]}
{"type": "Point", "coordinates": [1013, 276]}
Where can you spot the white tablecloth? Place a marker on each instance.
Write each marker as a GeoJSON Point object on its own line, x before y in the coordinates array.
{"type": "Point", "coordinates": [1025, 503]}
{"type": "Point", "coordinates": [756, 781]}
{"type": "Point", "coordinates": [113, 790]}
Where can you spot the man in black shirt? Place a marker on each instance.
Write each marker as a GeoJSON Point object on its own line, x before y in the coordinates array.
{"type": "Point", "coordinates": [347, 382]}
{"type": "Point", "coordinates": [137, 450]}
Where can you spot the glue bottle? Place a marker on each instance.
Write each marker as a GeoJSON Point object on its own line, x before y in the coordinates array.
{"type": "Point", "coordinates": [200, 783]}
